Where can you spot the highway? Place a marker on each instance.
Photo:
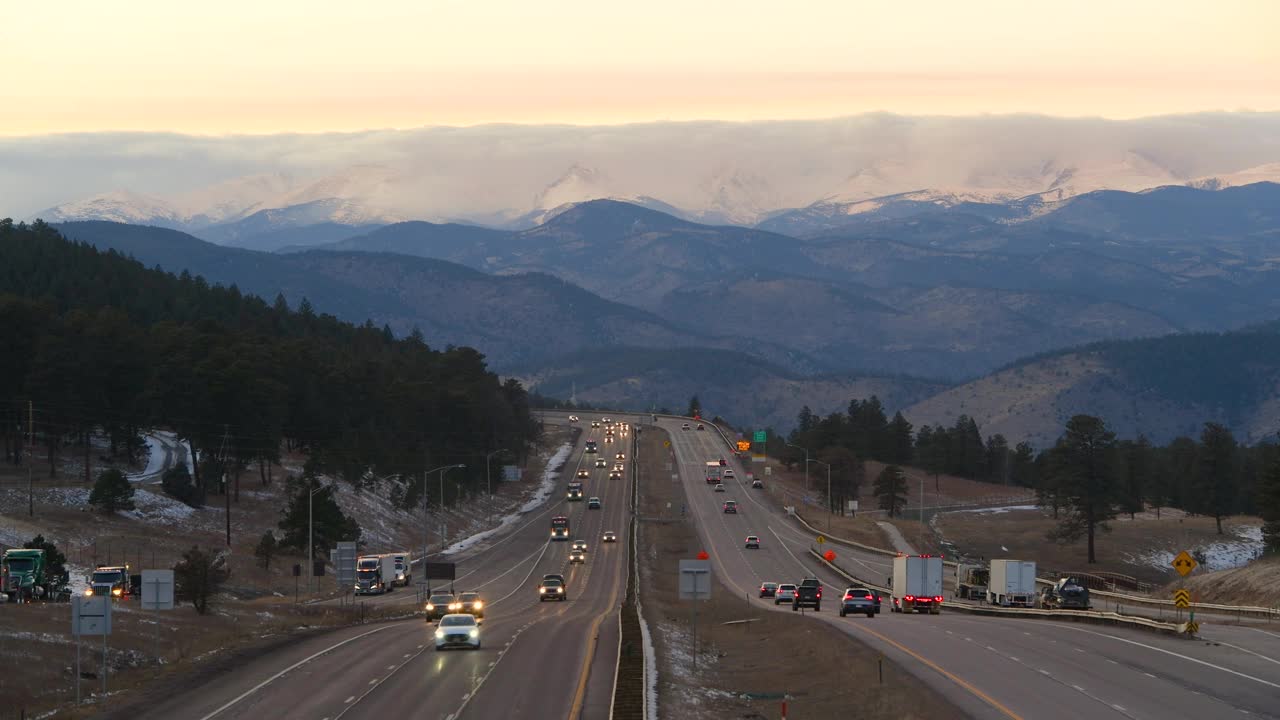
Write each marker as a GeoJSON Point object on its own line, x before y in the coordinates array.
{"type": "Point", "coordinates": [989, 667]}
{"type": "Point", "coordinates": [533, 663]}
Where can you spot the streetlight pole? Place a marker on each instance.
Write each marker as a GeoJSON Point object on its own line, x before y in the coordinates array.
{"type": "Point", "coordinates": [830, 512]}
{"type": "Point", "coordinates": [311, 536]}
{"type": "Point", "coordinates": [444, 470]}
{"type": "Point", "coordinates": [806, 464]}
{"type": "Point", "coordinates": [488, 479]}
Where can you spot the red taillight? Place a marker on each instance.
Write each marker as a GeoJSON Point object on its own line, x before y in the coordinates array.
{"type": "Point", "coordinates": [870, 598]}
{"type": "Point", "coordinates": [937, 598]}
{"type": "Point", "coordinates": [909, 598]}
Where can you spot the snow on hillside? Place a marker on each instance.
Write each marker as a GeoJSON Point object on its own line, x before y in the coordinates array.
{"type": "Point", "coordinates": [540, 497]}
{"type": "Point", "coordinates": [1244, 545]}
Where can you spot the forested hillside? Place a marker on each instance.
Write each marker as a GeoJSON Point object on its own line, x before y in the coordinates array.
{"type": "Point", "coordinates": [97, 343]}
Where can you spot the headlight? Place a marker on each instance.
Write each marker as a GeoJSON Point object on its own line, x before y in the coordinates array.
{"type": "Point", "coordinates": [474, 633]}
{"type": "Point", "coordinates": [439, 634]}
{"type": "Point", "coordinates": [559, 590]}
{"type": "Point", "coordinates": [430, 607]}
{"type": "Point", "coordinates": [88, 592]}
{"type": "Point", "coordinates": [542, 590]}
{"type": "Point", "coordinates": [117, 592]}
{"type": "Point", "coordinates": [477, 605]}
{"type": "Point", "coordinates": [356, 586]}
{"type": "Point", "coordinates": [455, 606]}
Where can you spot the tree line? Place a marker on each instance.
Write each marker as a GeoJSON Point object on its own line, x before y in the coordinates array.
{"type": "Point", "coordinates": [99, 345]}
{"type": "Point", "coordinates": [1086, 478]}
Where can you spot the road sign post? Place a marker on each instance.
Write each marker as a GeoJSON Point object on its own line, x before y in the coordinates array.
{"type": "Point", "coordinates": [91, 616]}
{"type": "Point", "coordinates": [1184, 563]}
{"type": "Point", "coordinates": [157, 594]}
{"type": "Point", "coordinates": [695, 584]}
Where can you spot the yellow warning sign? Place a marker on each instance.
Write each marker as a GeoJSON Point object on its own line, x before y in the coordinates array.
{"type": "Point", "coordinates": [666, 443]}
{"type": "Point", "coordinates": [821, 539]}
{"type": "Point", "coordinates": [1184, 563]}
{"type": "Point", "coordinates": [1182, 597]}
{"type": "Point", "coordinates": [1193, 627]}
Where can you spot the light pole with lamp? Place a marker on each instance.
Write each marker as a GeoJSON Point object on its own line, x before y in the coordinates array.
{"type": "Point", "coordinates": [806, 464]}
{"type": "Point", "coordinates": [426, 532]}
{"type": "Point", "coordinates": [829, 510]}
{"type": "Point", "coordinates": [444, 470]}
{"type": "Point", "coordinates": [311, 537]}
{"type": "Point", "coordinates": [488, 479]}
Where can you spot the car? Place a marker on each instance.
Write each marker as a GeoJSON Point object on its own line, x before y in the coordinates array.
{"type": "Point", "coordinates": [719, 487]}
{"type": "Point", "coordinates": [858, 601]}
{"type": "Point", "coordinates": [808, 594]}
{"type": "Point", "coordinates": [595, 423]}
{"type": "Point", "coordinates": [722, 462]}
{"type": "Point", "coordinates": [609, 536]}
{"type": "Point", "coordinates": [573, 418]}
{"type": "Point", "coordinates": [786, 592]}
{"type": "Point", "coordinates": [619, 467]}
{"type": "Point", "coordinates": [552, 589]}
{"type": "Point", "coordinates": [554, 576]}
{"type": "Point", "coordinates": [728, 474]}
{"type": "Point", "coordinates": [731, 507]}
{"type": "Point", "coordinates": [615, 475]}
{"type": "Point", "coordinates": [768, 589]}
{"type": "Point", "coordinates": [577, 557]}
{"type": "Point", "coordinates": [601, 462]}
{"type": "Point", "coordinates": [458, 630]}
{"type": "Point", "coordinates": [620, 456]}
{"type": "Point", "coordinates": [471, 604]}
{"type": "Point", "coordinates": [584, 474]}
{"type": "Point", "coordinates": [593, 503]}
{"type": "Point", "coordinates": [438, 605]}
{"type": "Point", "coordinates": [684, 426]}
{"type": "Point", "coordinates": [753, 542]}
{"type": "Point", "coordinates": [757, 484]}
{"type": "Point", "coordinates": [608, 438]}
{"type": "Point", "coordinates": [701, 426]}
{"type": "Point", "coordinates": [606, 420]}
{"type": "Point", "coordinates": [578, 545]}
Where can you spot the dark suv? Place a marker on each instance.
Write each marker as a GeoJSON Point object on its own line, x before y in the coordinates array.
{"type": "Point", "coordinates": [808, 594]}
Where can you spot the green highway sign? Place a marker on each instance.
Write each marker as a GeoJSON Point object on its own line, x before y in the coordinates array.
{"type": "Point", "coordinates": [760, 436]}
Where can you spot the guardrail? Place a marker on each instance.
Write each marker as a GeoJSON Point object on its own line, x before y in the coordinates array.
{"type": "Point", "coordinates": [1089, 616]}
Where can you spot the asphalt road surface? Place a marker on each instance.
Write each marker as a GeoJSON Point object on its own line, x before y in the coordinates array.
{"type": "Point", "coordinates": [989, 667]}
{"type": "Point", "coordinates": [534, 657]}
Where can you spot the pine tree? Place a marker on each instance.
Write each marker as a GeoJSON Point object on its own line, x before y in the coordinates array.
{"type": "Point", "coordinates": [1215, 483]}
{"type": "Point", "coordinates": [900, 441]}
{"type": "Point", "coordinates": [199, 576]}
{"type": "Point", "coordinates": [805, 421]}
{"type": "Point", "coordinates": [997, 458]}
{"type": "Point", "coordinates": [266, 549]}
{"type": "Point", "coordinates": [891, 489]}
{"type": "Point", "coordinates": [1137, 466]}
{"type": "Point", "coordinates": [695, 407]}
{"type": "Point", "coordinates": [55, 561]}
{"type": "Point", "coordinates": [329, 523]}
{"type": "Point", "coordinates": [1022, 470]}
{"type": "Point", "coordinates": [112, 492]}
{"type": "Point", "coordinates": [1269, 497]}
{"type": "Point", "coordinates": [1082, 469]}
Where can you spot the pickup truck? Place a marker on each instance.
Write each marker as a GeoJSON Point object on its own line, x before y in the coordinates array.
{"type": "Point", "coordinates": [808, 594]}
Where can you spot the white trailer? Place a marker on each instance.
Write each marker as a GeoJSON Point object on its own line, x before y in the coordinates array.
{"type": "Point", "coordinates": [404, 568]}
{"type": "Point", "coordinates": [917, 583]}
{"type": "Point", "coordinates": [1013, 583]}
{"type": "Point", "coordinates": [375, 574]}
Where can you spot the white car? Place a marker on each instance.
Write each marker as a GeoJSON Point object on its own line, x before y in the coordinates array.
{"type": "Point", "coordinates": [728, 474]}
{"type": "Point", "coordinates": [684, 426]}
{"type": "Point", "coordinates": [573, 418]}
{"type": "Point", "coordinates": [786, 593]}
{"type": "Point", "coordinates": [609, 536]}
{"type": "Point", "coordinates": [719, 487]}
{"type": "Point", "coordinates": [458, 630]}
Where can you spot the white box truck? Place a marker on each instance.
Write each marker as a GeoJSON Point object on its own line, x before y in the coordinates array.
{"type": "Point", "coordinates": [375, 574]}
{"type": "Point", "coordinates": [404, 568]}
{"type": "Point", "coordinates": [917, 583]}
{"type": "Point", "coordinates": [1013, 583]}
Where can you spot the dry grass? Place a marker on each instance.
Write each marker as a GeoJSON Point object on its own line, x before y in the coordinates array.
{"type": "Point", "coordinates": [1257, 583]}
{"type": "Point", "coordinates": [741, 660]}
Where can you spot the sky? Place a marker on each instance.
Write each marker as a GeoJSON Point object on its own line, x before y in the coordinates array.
{"type": "Point", "coordinates": [278, 66]}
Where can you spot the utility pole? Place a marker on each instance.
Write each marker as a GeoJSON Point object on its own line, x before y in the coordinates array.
{"type": "Point", "coordinates": [806, 464]}
{"type": "Point", "coordinates": [443, 536]}
{"type": "Point", "coordinates": [222, 465]}
{"type": "Point", "coordinates": [830, 510]}
{"type": "Point", "coordinates": [31, 458]}
{"type": "Point", "coordinates": [488, 479]}
{"type": "Point", "coordinates": [311, 536]}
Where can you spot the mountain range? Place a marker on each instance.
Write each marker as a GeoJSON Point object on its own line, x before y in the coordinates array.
{"type": "Point", "coordinates": [626, 304]}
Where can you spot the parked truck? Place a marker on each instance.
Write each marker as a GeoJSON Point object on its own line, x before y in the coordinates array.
{"type": "Point", "coordinates": [917, 583]}
{"type": "Point", "coordinates": [1066, 594]}
{"type": "Point", "coordinates": [375, 574]}
{"type": "Point", "coordinates": [25, 576]}
{"type": "Point", "coordinates": [115, 582]}
{"type": "Point", "coordinates": [971, 581]}
{"type": "Point", "coordinates": [1013, 583]}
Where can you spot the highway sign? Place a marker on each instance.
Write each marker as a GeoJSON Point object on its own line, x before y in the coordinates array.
{"type": "Point", "coordinates": [91, 615]}
{"type": "Point", "coordinates": [511, 473]}
{"type": "Point", "coordinates": [695, 579]}
{"type": "Point", "coordinates": [758, 458]}
{"type": "Point", "coordinates": [344, 563]}
{"type": "Point", "coordinates": [1182, 597]}
{"type": "Point", "coordinates": [157, 589]}
{"type": "Point", "coordinates": [1193, 627]}
{"type": "Point", "coordinates": [1184, 563]}
{"type": "Point", "coordinates": [821, 539]}
{"type": "Point", "coordinates": [438, 571]}
{"type": "Point", "coordinates": [744, 445]}
{"type": "Point", "coordinates": [760, 436]}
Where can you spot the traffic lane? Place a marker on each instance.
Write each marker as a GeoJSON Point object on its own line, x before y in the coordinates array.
{"type": "Point", "coordinates": [1258, 641]}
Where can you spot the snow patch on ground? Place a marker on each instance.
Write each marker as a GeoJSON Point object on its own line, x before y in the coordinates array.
{"type": "Point", "coordinates": [996, 510]}
{"type": "Point", "coordinates": [679, 657]}
{"type": "Point", "coordinates": [158, 508]}
{"type": "Point", "coordinates": [544, 491]}
{"type": "Point", "coordinates": [1220, 555]}
{"type": "Point", "coordinates": [380, 521]}
{"type": "Point", "coordinates": [161, 445]}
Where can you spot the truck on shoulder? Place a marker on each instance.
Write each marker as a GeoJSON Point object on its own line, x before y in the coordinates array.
{"type": "Point", "coordinates": [25, 576]}
{"type": "Point", "coordinates": [971, 581]}
{"type": "Point", "coordinates": [1013, 583]}
{"type": "Point", "coordinates": [1067, 593]}
{"type": "Point", "coordinates": [375, 574]}
{"type": "Point", "coordinates": [917, 583]}
{"type": "Point", "coordinates": [115, 582]}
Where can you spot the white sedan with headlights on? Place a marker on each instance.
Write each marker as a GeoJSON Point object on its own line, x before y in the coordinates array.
{"type": "Point", "coordinates": [458, 630]}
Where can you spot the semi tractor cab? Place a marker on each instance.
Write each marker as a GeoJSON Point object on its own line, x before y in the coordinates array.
{"type": "Point", "coordinates": [375, 574]}
{"type": "Point", "coordinates": [111, 581]}
{"type": "Point", "coordinates": [917, 583]}
{"type": "Point", "coordinates": [560, 528]}
{"type": "Point", "coordinates": [591, 447]}
{"type": "Point", "coordinates": [25, 576]}
{"type": "Point", "coordinates": [575, 491]}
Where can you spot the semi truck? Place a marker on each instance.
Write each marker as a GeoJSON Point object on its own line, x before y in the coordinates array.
{"type": "Point", "coordinates": [404, 568]}
{"type": "Point", "coordinates": [25, 576]}
{"type": "Point", "coordinates": [1013, 583]}
{"type": "Point", "coordinates": [375, 574]}
{"type": "Point", "coordinates": [713, 472]}
{"type": "Point", "coordinates": [917, 583]}
{"type": "Point", "coordinates": [971, 581]}
{"type": "Point", "coordinates": [575, 491]}
{"type": "Point", "coordinates": [113, 581]}
{"type": "Point", "coordinates": [560, 528]}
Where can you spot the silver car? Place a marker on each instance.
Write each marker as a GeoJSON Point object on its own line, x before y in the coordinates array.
{"type": "Point", "coordinates": [786, 593]}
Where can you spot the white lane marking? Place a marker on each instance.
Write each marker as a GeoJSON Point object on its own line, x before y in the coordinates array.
{"type": "Point", "coordinates": [1042, 671]}
{"type": "Point", "coordinates": [1150, 675]}
{"type": "Point", "coordinates": [1264, 632]}
{"type": "Point", "coordinates": [375, 680]}
{"type": "Point", "coordinates": [292, 667]}
{"type": "Point", "coordinates": [1188, 658]}
{"type": "Point", "coordinates": [1247, 650]}
{"type": "Point", "coordinates": [467, 698]}
{"type": "Point", "coordinates": [393, 667]}
{"type": "Point", "coordinates": [408, 654]}
{"type": "Point", "coordinates": [353, 697]}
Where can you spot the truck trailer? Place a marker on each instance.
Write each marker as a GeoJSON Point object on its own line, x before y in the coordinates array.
{"type": "Point", "coordinates": [375, 574]}
{"type": "Point", "coordinates": [971, 581]}
{"type": "Point", "coordinates": [917, 583]}
{"type": "Point", "coordinates": [404, 568]}
{"type": "Point", "coordinates": [1013, 583]}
